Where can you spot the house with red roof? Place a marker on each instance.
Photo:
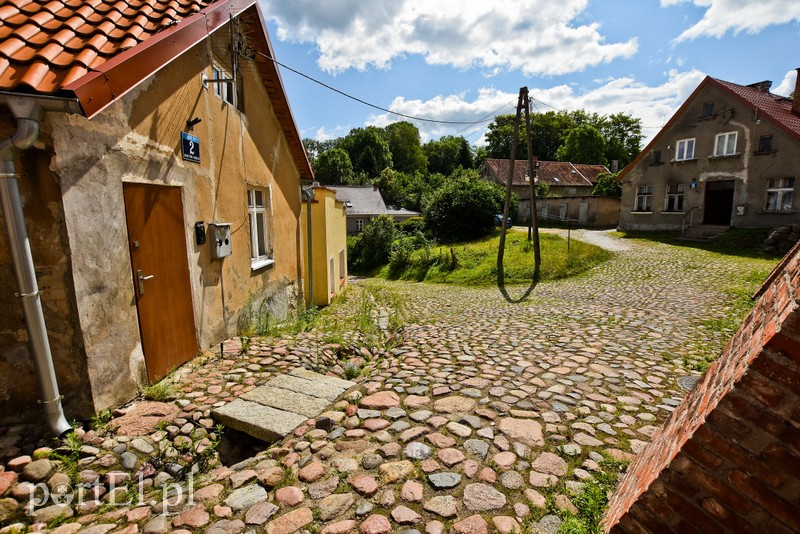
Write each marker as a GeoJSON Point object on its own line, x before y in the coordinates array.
{"type": "Point", "coordinates": [150, 175]}
{"type": "Point", "coordinates": [729, 157]}
{"type": "Point", "coordinates": [569, 191]}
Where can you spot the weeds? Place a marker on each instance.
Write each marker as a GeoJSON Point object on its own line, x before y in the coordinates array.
{"type": "Point", "coordinates": [160, 391]}
{"type": "Point", "coordinates": [101, 419]}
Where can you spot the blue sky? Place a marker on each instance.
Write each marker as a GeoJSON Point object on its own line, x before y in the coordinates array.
{"type": "Point", "coordinates": [465, 60]}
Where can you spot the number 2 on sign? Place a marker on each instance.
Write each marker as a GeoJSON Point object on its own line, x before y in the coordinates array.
{"type": "Point", "coordinates": [191, 147]}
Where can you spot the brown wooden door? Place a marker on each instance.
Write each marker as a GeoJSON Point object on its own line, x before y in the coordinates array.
{"type": "Point", "coordinates": [156, 233]}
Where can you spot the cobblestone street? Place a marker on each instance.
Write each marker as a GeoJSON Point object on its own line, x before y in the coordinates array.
{"type": "Point", "coordinates": [477, 415]}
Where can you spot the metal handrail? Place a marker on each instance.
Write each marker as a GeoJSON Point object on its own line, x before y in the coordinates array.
{"type": "Point", "coordinates": [691, 219]}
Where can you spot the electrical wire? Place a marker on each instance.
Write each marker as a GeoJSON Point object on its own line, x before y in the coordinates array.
{"type": "Point", "coordinates": [488, 118]}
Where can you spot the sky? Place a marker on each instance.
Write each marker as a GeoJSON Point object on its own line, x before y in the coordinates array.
{"type": "Point", "coordinates": [465, 61]}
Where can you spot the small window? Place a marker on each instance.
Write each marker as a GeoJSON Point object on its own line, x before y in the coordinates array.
{"type": "Point", "coordinates": [708, 109]}
{"type": "Point", "coordinates": [684, 150]}
{"type": "Point", "coordinates": [224, 90]}
{"type": "Point", "coordinates": [656, 157]}
{"type": "Point", "coordinates": [644, 198]}
{"type": "Point", "coordinates": [359, 225]}
{"type": "Point", "coordinates": [725, 144]}
{"type": "Point", "coordinates": [674, 201]}
{"type": "Point", "coordinates": [765, 144]}
{"type": "Point", "coordinates": [259, 212]}
{"type": "Point", "coordinates": [780, 194]}
{"type": "Point", "coordinates": [342, 265]}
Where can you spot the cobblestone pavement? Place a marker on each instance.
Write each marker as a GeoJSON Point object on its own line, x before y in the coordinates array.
{"type": "Point", "coordinates": [477, 415]}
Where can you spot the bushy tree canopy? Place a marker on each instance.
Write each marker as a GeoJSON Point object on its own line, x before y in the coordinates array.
{"type": "Point", "coordinates": [464, 208]}
{"type": "Point", "coordinates": [368, 150]}
{"type": "Point", "coordinates": [404, 143]}
{"type": "Point", "coordinates": [333, 167]}
{"type": "Point", "coordinates": [607, 186]}
{"type": "Point", "coordinates": [447, 154]}
{"type": "Point", "coordinates": [584, 144]}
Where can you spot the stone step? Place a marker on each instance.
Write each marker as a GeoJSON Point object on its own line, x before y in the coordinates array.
{"type": "Point", "coordinates": [272, 411]}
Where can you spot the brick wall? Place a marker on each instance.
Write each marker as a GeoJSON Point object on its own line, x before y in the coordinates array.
{"type": "Point", "coordinates": [728, 459]}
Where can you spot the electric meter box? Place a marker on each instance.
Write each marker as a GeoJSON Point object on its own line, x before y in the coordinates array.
{"type": "Point", "coordinates": [219, 237]}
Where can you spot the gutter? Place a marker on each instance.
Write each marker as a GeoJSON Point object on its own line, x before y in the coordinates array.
{"type": "Point", "coordinates": [28, 111]}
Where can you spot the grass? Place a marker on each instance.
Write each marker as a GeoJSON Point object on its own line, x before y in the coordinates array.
{"type": "Point", "coordinates": [475, 263]}
{"type": "Point", "coordinates": [160, 391]}
{"type": "Point", "coordinates": [736, 241]}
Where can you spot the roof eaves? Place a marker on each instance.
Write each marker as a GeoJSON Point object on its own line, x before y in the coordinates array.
{"type": "Point", "coordinates": [116, 77]}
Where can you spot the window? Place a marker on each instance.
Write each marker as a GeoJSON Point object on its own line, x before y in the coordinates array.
{"type": "Point", "coordinates": [342, 265]}
{"type": "Point", "coordinates": [674, 197]}
{"type": "Point", "coordinates": [224, 90]}
{"type": "Point", "coordinates": [780, 194]}
{"type": "Point", "coordinates": [359, 225]}
{"type": "Point", "coordinates": [258, 210]}
{"type": "Point", "coordinates": [656, 157]}
{"type": "Point", "coordinates": [765, 144]}
{"type": "Point", "coordinates": [685, 150]}
{"type": "Point", "coordinates": [725, 144]}
{"type": "Point", "coordinates": [644, 198]}
{"type": "Point", "coordinates": [708, 109]}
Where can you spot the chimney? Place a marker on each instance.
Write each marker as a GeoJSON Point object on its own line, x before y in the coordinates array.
{"type": "Point", "coordinates": [761, 87]}
{"type": "Point", "coordinates": [796, 96]}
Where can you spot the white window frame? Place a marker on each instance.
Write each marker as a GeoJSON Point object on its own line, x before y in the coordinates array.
{"type": "Point", "coordinates": [257, 259]}
{"type": "Point", "coordinates": [226, 91]}
{"type": "Point", "coordinates": [342, 265]}
{"type": "Point", "coordinates": [644, 199]}
{"type": "Point", "coordinates": [778, 191]}
{"type": "Point", "coordinates": [727, 149]}
{"type": "Point", "coordinates": [682, 147]}
{"type": "Point", "coordinates": [675, 199]}
{"type": "Point", "coordinates": [359, 225]}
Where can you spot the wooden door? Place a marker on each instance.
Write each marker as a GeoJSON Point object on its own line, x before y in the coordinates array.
{"type": "Point", "coordinates": [159, 262]}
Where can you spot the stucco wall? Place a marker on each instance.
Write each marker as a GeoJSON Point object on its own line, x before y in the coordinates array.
{"type": "Point", "coordinates": [138, 140]}
{"type": "Point", "coordinates": [44, 220]}
{"type": "Point", "coordinates": [601, 212]}
{"type": "Point", "coordinates": [329, 238]}
{"type": "Point", "coordinates": [749, 170]}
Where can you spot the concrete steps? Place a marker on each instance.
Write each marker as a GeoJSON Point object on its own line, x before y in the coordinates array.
{"type": "Point", "coordinates": [272, 411]}
{"type": "Point", "coordinates": [704, 232]}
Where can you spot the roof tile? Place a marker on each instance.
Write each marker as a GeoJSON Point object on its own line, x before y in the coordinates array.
{"type": "Point", "coordinates": [45, 44]}
{"type": "Point", "coordinates": [556, 173]}
{"type": "Point", "coordinates": [777, 107]}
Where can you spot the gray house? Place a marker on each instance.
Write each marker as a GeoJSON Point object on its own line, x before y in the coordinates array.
{"type": "Point", "coordinates": [729, 157]}
{"type": "Point", "coordinates": [363, 203]}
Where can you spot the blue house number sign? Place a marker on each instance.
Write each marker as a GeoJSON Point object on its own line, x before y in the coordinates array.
{"type": "Point", "coordinates": [190, 147]}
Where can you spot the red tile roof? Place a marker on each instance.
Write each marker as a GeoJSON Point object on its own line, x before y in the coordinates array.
{"type": "Point", "coordinates": [98, 50]}
{"type": "Point", "coordinates": [47, 45]}
{"type": "Point", "coordinates": [554, 173]}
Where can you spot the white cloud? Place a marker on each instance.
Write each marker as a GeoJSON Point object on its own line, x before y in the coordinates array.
{"type": "Point", "coordinates": [325, 134]}
{"type": "Point", "coordinates": [787, 85]}
{"type": "Point", "coordinates": [736, 16]}
{"type": "Point", "coordinates": [653, 104]}
{"type": "Point", "coordinates": [539, 37]}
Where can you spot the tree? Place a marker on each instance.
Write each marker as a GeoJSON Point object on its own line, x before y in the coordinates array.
{"type": "Point", "coordinates": [623, 137]}
{"type": "Point", "coordinates": [607, 186]}
{"type": "Point", "coordinates": [584, 144]}
{"type": "Point", "coordinates": [333, 167]}
{"type": "Point", "coordinates": [315, 148]}
{"type": "Point", "coordinates": [464, 208]}
{"type": "Point", "coordinates": [448, 153]}
{"type": "Point", "coordinates": [368, 150]}
{"type": "Point", "coordinates": [373, 246]}
{"type": "Point", "coordinates": [406, 148]}
{"type": "Point", "coordinates": [499, 136]}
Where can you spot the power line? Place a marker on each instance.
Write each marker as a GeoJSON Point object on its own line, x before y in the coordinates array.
{"type": "Point", "coordinates": [412, 117]}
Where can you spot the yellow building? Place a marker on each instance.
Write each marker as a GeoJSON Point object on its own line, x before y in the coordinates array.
{"type": "Point", "coordinates": [328, 263]}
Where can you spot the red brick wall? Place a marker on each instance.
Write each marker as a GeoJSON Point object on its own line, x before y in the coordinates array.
{"type": "Point", "coordinates": [728, 459]}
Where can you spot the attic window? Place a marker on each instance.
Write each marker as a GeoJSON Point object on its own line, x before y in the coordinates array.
{"type": "Point", "coordinates": [708, 109]}
{"type": "Point", "coordinates": [348, 204]}
{"type": "Point", "coordinates": [231, 90]}
{"type": "Point", "coordinates": [765, 145]}
{"type": "Point", "coordinates": [656, 158]}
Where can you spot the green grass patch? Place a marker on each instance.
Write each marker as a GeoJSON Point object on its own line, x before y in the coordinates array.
{"type": "Point", "coordinates": [746, 242]}
{"type": "Point", "coordinates": [475, 263]}
{"type": "Point", "coordinates": [160, 391]}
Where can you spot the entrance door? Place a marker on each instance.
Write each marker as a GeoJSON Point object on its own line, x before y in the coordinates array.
{"type": "Point", "coordinates": [718, 207]}
{"type": "Point", "coordinates": [159, 261]}
{"type": "Point", "coordinates": [583, 213]}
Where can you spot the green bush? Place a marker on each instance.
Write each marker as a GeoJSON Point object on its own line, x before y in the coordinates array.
{"type": "Point", "coordinates": [373, 246]}
{"type": "Point", "coordinates": [411, 226]}
{"type": "Point", "coordinates": [464, 208]}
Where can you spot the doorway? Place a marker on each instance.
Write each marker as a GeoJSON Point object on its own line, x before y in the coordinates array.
{"type": "Point", "coordinates": [159, 262]}
{"type": "Point", "coordinates": [718, 205]}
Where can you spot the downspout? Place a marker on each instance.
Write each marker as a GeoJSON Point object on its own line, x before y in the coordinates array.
{"type": "Point", "coordinates": [28, 114]}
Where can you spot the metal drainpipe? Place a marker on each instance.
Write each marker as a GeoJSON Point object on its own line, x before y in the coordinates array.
{"type": "Point", "coordinates": [28, 114]}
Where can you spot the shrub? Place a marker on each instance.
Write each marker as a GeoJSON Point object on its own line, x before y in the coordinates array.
{"type": "Point", "coordinates": [373, 246]}
{"type": "Point", "coordinates": [464, 208]}
{"type": "Point", "coordinates": [607, 186]}
{"type": "Point", "coordinates": [411, 226]}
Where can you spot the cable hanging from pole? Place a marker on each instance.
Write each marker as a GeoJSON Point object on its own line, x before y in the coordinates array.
{"type": "Point", "coordinates": [523, 105]}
